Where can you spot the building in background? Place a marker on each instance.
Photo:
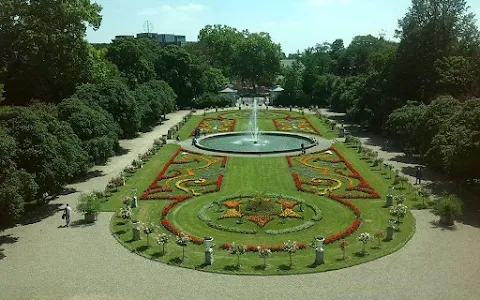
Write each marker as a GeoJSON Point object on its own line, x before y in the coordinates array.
{"type": "Point", "coordinates": [162, 38]}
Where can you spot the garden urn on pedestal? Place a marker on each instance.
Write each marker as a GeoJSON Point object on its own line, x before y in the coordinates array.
{"type": "Point", "coordinates": [391, 230]}
{"type": "Point", "coordinates": [319, 250]}
{"type": "Point", "coordinates": [389, 197]}
{"type": "Point", "coordinates": [136, 231]}
{"type": "Point", "coordinates": [209, 251]}
{"type": "Point", "coordinates": [341, 132]}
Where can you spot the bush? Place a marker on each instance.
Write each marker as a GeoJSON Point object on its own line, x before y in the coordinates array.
{"type": "Point", "coordinates": [231, 229]}
{"type": "Point", "coordinates": [211, 100]}
{"type": "Point", "coordinates": [301, 227]}
{"type": "Point", "coordinates": [448, 207]}
{"type": "Point", "coordinates": [88, 204]}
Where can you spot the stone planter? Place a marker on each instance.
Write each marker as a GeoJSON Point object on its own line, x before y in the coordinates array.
{"type": "Point", "coordinates": [390, 233]}
{"type": "Point", "coordinates": [209, 251]}
{"type": "Point", "coordinates": [389, 201]}
{"type": "Point", "coordinates": [90, 217]}
{"type": "Point", "coordinates": [136, 231]}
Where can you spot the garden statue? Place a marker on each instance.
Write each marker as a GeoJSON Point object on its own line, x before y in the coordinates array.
{"type": "Point", "coordinates": [136, 230]}
{"type": "Point", "coordinates": [209, 251]}
{"type": "Point", "coordinates": [389, 197]}
{"type": "Point", "coordinates": [134, 198]}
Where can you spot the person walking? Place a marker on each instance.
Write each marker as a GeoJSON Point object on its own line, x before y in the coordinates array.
{"type": "Point", "coordinates": [66, 215]}
{"type": "Point", "coordinates": [418, 175]}
{"type": "Point", "coordinates": [303, 148]}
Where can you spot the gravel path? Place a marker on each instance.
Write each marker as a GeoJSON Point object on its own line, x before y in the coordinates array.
{"type": "Point", "coordinates": [87, 263]}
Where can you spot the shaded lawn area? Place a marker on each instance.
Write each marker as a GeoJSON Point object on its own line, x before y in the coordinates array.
{"type": "Point", "coordinates": [251, 176]}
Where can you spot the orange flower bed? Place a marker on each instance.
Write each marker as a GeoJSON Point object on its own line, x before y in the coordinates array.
{"type": "Point", "coordinates": [287, 204]}
{"type": "Point", "coordinates": [260, 220]}
{"type": "Point", "coordinates": [232, 204]}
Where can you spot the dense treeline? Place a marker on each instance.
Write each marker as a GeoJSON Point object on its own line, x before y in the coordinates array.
{"type": "Point", "coordinates": [422, 91]}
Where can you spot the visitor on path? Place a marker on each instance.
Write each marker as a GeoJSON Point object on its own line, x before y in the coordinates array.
{"type": "Point", "coordinates": [194, 141]}
{"type": "Point", "coordinates": [66, 215]}
{"type": "Point", "coordinates": [178, 139]}
{"type": "Point", "coordinates": [303, 148]}
{"type": "Point", "coordinates": [418, 175]}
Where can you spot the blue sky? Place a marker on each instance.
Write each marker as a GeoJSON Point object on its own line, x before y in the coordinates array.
{"type": "Point", "coordinates": [295, 24]}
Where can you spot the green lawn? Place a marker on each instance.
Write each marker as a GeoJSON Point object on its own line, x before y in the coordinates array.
{"type": "Point", "coordinates": [253, 176]}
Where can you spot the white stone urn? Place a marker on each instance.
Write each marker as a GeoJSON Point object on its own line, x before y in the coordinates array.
{"type": "Point", "coordinates": [136, 231]}
{"type": "Point", "coordinates": [319, 243]}
{"type": "Point", "coordinates": [208, 243]}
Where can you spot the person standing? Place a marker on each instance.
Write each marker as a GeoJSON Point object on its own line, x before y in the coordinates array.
{"type": "Point", "coordinates": [67, 214]}
{"type": "Point", "coordinates": [418, 175]}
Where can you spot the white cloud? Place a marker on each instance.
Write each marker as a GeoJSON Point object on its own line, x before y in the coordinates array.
{"type": "Point", "coordinates": [323, 3]}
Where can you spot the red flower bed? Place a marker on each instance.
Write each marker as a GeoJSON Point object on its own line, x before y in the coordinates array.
{"type": "Point", "coordinates": [298, 182]}
{"type": "Point", "coordinates": [290, 164]}
{"type": "Point", "coordinates": [166, 224]}
{"type": "Point", "coordinates": [224, 162]}
{"type": "Point", "coordinates": [344, 234]}
{"type": "Point", "coordinates": [219, 182]}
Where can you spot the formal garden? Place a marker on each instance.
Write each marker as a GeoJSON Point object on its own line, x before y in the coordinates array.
{"type": "Point", "coordinates": [286, 214]}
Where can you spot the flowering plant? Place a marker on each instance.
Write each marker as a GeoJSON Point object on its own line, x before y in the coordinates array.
{"type": "Point", "coordinates": [264, 253]}
{"type": "Point", "coordinates": [399, 211]}
{"type": "Point", "coordinates": [125, 213]}
{"type": "Point", "coordinates": [163, 239]}
{"type": "Point", "coordinates": [148, 229]}
{"type": "Point", "coordinates": [343, 246]}
{"type": "Point", "coordinates": [182, 241]}
{"type": "Point", "coordinates": [379, 235]}
{"type": "Point", "coordinates": [364, 238]}
{"type": "Point", "coordinates": [290, 248]}
{"type": "Point", "coordinates": [237, 250]}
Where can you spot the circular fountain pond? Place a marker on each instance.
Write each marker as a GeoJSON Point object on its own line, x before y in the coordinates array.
{"type": "Point", "coordinates": [245, 143]}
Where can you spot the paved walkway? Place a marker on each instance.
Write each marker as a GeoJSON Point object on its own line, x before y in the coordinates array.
{"type": "Point", "coordinates": [87, 263]}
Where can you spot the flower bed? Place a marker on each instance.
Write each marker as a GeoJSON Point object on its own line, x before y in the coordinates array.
{"type": "Point", "coordinates": [176, 183]}
{"type": "Point", "coordinates": [363, 190]}
{"type": "Point", "coordinates": [296, 124]}
{"type": "Point", "coordinates": [207, 125]}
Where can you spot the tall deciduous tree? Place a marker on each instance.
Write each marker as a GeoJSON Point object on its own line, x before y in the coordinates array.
{"type": "Point", "coordinates": [133, 59]}
{"type": "Point", "coordinates": [176, 67]}
{"type": "Point", "coordinates": [116, 99]}
{"type": "Point", "coordinates": [213, 80]}
{"type": "Point", "coordinates": [257, 58]}
{"type": "Point", "coordinates": [94, 126]}
{"type": "Point", "coordinates": [219, 43]}
{"type": "Point", "coordinates": [431, 30]}
{"type": "Point", "coordinates": [44, 53]}
{"type": "Point", "coordinates": [40, 137]}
